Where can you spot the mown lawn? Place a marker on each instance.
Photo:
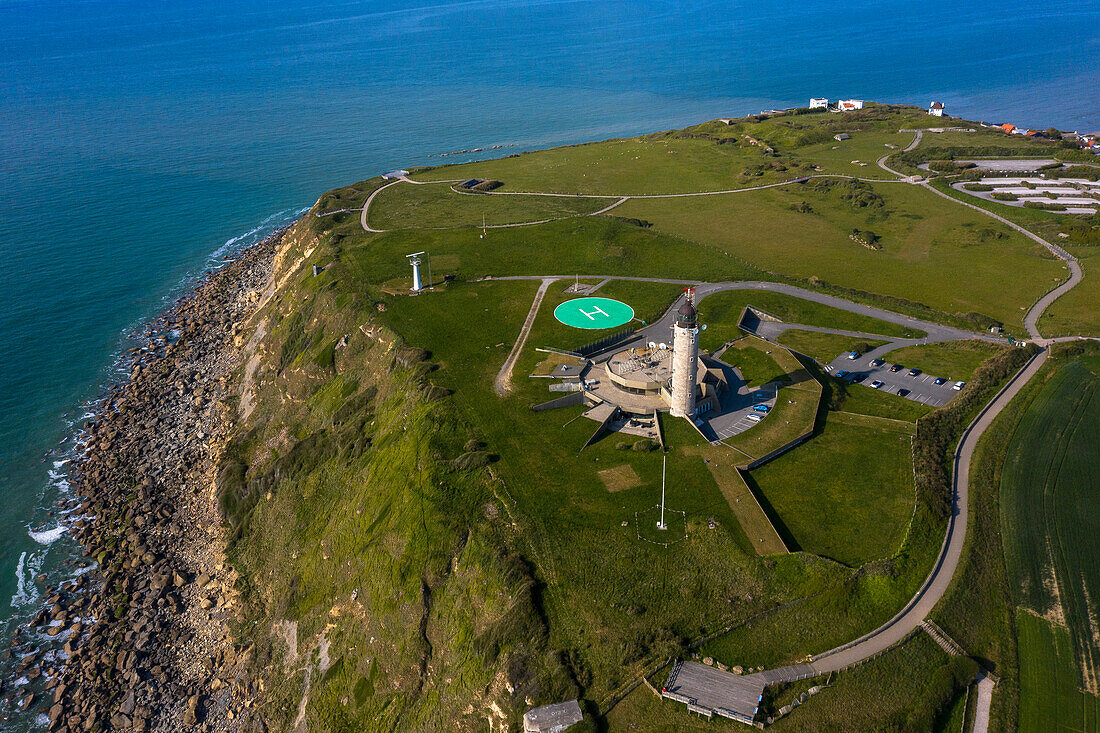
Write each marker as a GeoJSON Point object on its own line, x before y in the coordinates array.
{"type": "Point", "coordinates": [861, 399]}
{"type": "Point", "coordinates": [652, 164]}
{"type": "Point", "coordinates": [408, 206]}
{"type": "Point", "coordinates": [1075, 313]}
{"type": "Point", "coordinates": [932, 251]}
{"type": "Point", "coordinates": [952, 360]}
{"type": "Point", "coordinates": [846, 494]}
{"type": "Point", "coordinates": [824, 347]}
{"type": "Point", "coordinates": [720, 312]}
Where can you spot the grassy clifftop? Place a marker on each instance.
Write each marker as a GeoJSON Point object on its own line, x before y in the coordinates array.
{"type": "Point", "coordinates": [379, 586]}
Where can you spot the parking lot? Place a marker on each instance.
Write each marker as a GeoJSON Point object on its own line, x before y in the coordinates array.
{"type": "Point", "coordinates": [920, 387]}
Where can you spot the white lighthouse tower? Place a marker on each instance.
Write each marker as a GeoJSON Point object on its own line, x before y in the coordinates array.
{"type": "Point", "coordinates": [685, 358]}
{"type": "Point", "coordinates": [414, 260]}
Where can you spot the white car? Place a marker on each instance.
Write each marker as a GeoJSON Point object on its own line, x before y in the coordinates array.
{"type": "Point", "coordinates": [877, 384]}
{"type": "Point", "coordinates": [958, 385]}
{"type": "Point", "coordinates": [753, 417]}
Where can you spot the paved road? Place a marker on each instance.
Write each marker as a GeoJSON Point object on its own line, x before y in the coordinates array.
{"type": "Point", "coordinates": [936, 584]}
{"type": "Point", "coordinates": [935, 331]}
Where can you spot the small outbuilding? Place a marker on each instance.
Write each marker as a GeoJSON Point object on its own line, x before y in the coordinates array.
{"type": "Point", "coordinates": [936, 109]}
{"type": "Point", "coordinates": [841, 136]}
{"type": "Point", "coordinates": [552, 718]}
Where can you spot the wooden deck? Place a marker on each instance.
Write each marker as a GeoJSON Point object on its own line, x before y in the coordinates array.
{"type": "Point", "coordinates": [708, 691]}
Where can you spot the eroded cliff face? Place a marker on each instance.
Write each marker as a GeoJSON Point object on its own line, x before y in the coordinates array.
{"type": "Point", "coordinates": [379, 587]}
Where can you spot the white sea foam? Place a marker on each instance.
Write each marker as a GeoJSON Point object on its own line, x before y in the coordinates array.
{"type": "Point", "coordinates": [47, 536]}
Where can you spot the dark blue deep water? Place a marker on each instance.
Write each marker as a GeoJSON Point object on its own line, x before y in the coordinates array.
{"type": "Point", "coordinates": [139, 138]}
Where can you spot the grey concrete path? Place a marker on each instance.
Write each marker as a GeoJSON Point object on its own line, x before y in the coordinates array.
{"type": "Point", "coordinates": [503, 383]}
{"type": "Point", "coordinates": [985, 700]}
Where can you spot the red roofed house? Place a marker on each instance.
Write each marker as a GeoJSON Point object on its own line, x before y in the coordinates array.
{"type": "Point", "coordinates": [1008, 128]}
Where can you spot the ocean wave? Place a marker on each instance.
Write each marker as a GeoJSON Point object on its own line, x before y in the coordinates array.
{"type": "Point", "coordinates": [47, 536]}
{"type": "Point", "coordinates": [260, 231]}
{"type": "Point", "coordinates": [27, 567]}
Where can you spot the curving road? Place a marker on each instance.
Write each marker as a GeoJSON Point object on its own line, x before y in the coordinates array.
{"type": "Point", "coordinates": [939, 579]}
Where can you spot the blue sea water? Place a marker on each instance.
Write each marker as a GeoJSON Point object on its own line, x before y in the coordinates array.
{"type": "Point", "coordinates": [138, 139]}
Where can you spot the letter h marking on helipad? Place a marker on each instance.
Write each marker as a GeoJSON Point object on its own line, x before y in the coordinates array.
{"type": "Point", "coordinates": [595, 309]}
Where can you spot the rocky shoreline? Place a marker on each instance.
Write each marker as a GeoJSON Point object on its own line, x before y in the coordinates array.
{"type": "Point", "coordinates": [142, 641]}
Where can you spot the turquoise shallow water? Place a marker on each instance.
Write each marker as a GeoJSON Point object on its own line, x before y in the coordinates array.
{"type": "Point", "coordinates": [138, 139]}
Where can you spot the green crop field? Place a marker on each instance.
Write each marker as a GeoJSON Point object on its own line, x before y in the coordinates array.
{"type": "Point", "coordinates": [1049, 491]}
{"type": "Point", "coordinates": [846, 494]}
{"type": "Point", "coordinates": [953, 360]}
{"type": "Point", "coordinates": [824, 347]}
{"type": "Point", "coordinates": [1051, 697]}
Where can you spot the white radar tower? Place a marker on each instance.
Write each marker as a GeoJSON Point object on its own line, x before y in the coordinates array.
{"type": "Point", "coordinates": [414, 260]}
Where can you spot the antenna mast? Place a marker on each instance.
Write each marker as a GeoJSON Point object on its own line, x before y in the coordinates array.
{"type": "Point", "coordinates": [661, 524]}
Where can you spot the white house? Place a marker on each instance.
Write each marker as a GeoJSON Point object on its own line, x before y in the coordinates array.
{"type": "Point", "coordinates": [936, 109]}
{"type": "Point", "coordinates": [847, 105]}
{"type": "Point", "coordinates": [818, 103]}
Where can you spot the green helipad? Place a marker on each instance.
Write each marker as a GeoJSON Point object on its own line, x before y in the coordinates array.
{"type": "Point", "coordinates": [593, 313]}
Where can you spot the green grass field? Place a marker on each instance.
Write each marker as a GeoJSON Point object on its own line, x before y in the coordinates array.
{"type": "Point", "coordinates": [721, 312]}
{"type": "Point", "coordinates": [953, 360]}
{"type": "Point", "coordinates": [1074, 314]}
{"type": "Point", "coordinates": [756, 360]}
{"type": "Point", "coordinates": [824, 347]}
{"type": "Point", "coordinates": [863, 400]}
{"type": "Point", "coordinates": [405, 205]}
{"type": "Point", "coordinates": [933, 252]}
{"type": "Point", "coordinates": [1049, 491]}
{"type": "Point", "coordinates": [847, 494]}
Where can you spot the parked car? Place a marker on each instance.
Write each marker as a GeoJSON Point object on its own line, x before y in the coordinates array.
{"type": "Point", "coordinates": [857, 378]}
{"type": "Point", "coordinates": [853, 355]}
{"type": "Point", "coordinates": [753, 417]}
{"type": "Point", "coordinates": [902, 392]}
{"type": "Point", "coordinates": [938, 381]}
{"type": "Point", "coordinates": [914, 372]}
{"type": "Point", "coordinates": [842, 374]}
{"type": "Point", "coordinates": [894, 369]}
{"type": "Point", "coordinates": [877, 362]}
{"type": "Point", "coordinates": [958, 385]}
{"type": "Point", "coordinates": [761, 408]}
{"type": "Point", "coordinates": [877, 384]}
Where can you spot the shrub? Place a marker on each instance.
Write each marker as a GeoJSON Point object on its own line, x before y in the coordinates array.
{"type": "Point", "coordinates": [938, 432]}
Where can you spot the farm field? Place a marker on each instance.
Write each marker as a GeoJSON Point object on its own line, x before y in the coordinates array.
{"type": "Point", "coordinates": [824, 347]}
{"type": "Point", "coordinates": [405, 205]}
{"type": "Point", "coordinates": [932, 251]}
{"type": "Point", "coordinates": [953, 360]}
{"type": "Point", "coordinates": [1051, 697]}
{"type": "Point", "coordinates": [846, 494]}
{"type": "Point", "coordinates": [1050, 488]}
